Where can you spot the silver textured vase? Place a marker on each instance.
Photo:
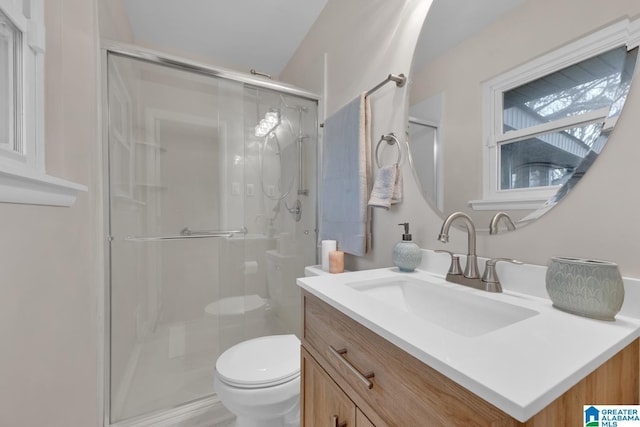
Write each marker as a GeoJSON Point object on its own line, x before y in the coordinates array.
{"type": "Point", "coordinates": [585, 287]}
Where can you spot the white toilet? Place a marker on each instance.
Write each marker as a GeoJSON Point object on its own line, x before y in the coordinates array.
{"type": "Point", "coordinates": [259, 381]}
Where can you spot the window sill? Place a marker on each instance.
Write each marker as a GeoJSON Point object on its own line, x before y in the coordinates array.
{"type": "Point", "coordinates": [37, 188]}
{"type": "Point", "coordinates": [507, 204]}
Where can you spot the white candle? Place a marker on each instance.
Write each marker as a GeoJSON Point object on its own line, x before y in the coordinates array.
{"type": "Point", "coordinates": [327, 246]}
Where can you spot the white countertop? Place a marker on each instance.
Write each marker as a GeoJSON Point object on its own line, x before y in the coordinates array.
{"type": "Point", "coordinates": [520, 368]}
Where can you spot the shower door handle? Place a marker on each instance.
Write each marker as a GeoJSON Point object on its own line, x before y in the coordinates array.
{"type": "Point", "coordinates": [184, 235]}
{"type": "Point", "coordinates": [179, 237]}
{"type": "Point", "coordinates": [187, 233]}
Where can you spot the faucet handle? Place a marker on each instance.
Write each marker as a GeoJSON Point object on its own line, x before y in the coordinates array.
{"type": "Point", "coordinates": [490, 277]}
{"type": "Point", "coordinates": [454, 267]}
{"type": "Point", "coordinates": [493, 226]}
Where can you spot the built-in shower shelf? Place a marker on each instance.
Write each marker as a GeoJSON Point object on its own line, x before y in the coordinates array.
{"type": "Point", "coordinates": [150, 186]}
{"type": "Point", "coordinates": [150, 145]}
{"type": "Point", "coordinates": [130, 200]}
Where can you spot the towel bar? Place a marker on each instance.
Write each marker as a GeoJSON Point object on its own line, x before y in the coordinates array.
{"type": "Point", "coordinates": [399, 80]}
{"type": "Point", "coordinates": [391, 139]}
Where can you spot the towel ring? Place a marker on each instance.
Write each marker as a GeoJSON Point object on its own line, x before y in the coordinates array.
{"type": "Point", "coordinates": [391, 139]}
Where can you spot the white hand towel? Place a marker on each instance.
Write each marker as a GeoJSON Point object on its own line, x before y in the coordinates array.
{"type": "Point", "coordinates": [397, 187]}
{"type": "Point", "coordinates": [384, 187]}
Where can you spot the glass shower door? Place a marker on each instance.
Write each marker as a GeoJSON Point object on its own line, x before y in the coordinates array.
{"type": "Point", "coordinates": [280, 171]}
{"type": "Point", "coordinates": [212, 217]}
{"type": "Point", "coordinates": [173, 136]}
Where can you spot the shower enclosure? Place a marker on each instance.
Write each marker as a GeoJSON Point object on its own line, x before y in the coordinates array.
{"type": "Point", "coordinates": [211, 208]}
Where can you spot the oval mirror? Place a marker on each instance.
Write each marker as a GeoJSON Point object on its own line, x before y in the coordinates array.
{"type": "Point", "coordinates": [511, 101]}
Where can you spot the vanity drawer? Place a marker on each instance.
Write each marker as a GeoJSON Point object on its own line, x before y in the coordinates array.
{"type": "Point", "coordinates": [395, 395]}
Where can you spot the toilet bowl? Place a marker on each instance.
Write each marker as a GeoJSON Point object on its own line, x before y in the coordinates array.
{"type": "Point", "coordinates": [259, 381]}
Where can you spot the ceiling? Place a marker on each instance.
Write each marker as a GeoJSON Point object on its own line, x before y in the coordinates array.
{"type": "Point", "coordinates": [245, 34]}
{"type": "Point", "coordinates": [264, 35]}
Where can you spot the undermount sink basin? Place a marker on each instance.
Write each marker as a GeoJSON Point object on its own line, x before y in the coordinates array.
{"type": "Point", "coordinates": [464, 313]}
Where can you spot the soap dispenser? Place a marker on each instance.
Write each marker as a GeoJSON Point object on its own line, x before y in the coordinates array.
{"type": "Point", "coordinates": [407, 255]}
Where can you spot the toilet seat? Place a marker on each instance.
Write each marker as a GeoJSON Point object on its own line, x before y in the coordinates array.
{"type": "Point", "coordinates": [278, 362]}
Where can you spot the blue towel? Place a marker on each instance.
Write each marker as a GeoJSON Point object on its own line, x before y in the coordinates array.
{"type": "Point", "coordinates": [346, 168]}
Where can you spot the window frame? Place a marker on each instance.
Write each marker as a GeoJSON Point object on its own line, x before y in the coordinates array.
{"type": "Point", "coordinates": [622, 33]}
{"type": "Point", "coordinates": [23, 178]}
{"type": "Point", "coordinates": [15, 135]}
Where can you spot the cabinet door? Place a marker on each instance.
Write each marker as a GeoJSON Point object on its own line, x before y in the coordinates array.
{"type": "Point", "coordinates": [362, 420]}
{"type": "Point", "coordinates": [324, 404]}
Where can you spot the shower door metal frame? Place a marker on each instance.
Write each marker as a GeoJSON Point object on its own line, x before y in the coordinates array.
{"type": "Point", "coordinates": [108, 47]}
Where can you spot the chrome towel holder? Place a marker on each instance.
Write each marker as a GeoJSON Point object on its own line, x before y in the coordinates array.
{"type": "Point", "coordinates": [399, 79]}
{"type": "Point", "coordinates": [390, 139]}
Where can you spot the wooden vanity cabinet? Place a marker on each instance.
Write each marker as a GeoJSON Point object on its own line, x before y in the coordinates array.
{"type": "Point", "coordinates": [323, 402]}
{"type": "Point", "coordinates": [339, 355]}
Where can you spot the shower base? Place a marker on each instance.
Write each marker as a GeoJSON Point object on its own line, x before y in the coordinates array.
{"type": "Point", "coordinates": [174, 368]}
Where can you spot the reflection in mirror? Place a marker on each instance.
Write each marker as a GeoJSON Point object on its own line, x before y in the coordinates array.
{"type": "Point", "coordinates": [504, 117]}
{"type": "Point", "coordinates": [423, 137]}
{"type": "Point", "coordinates": [543, 129]}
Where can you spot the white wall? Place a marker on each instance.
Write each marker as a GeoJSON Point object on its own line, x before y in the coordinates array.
{"type": "Point", "coordinates": [113, 22]}
{"type": "Point", "coordinates": [598, 217]}
{"type": "Point", "coordinates": [352, 47]}
{"type": "Point", "coordinates": [49, 256]}
{"type": "Point", "coordinates": [387, 32]}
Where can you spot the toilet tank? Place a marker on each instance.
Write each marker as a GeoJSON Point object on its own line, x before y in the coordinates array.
{"type": "Point", "coordinates": [282, 290]}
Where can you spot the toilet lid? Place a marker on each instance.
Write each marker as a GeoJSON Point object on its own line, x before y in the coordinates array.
{"type": "Point", "coordinates": [260, 362]}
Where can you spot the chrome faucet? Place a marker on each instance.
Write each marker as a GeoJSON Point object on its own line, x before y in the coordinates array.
{"type": "Point", "coordinates": [489, 281]}
{"type": "Point", "coordinates": [493, 226]}
{"type": "Point", "coordinates": [471, 276]}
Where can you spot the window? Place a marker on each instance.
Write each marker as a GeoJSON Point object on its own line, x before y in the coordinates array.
{"type": "Point", "coordinates": [9, 84]}
{"type": "Point", "coordinates": [545, 119]}
{"type": "Point", "coordinates": [22, 173]}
